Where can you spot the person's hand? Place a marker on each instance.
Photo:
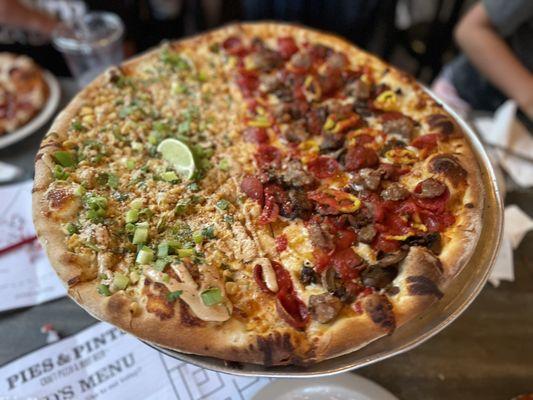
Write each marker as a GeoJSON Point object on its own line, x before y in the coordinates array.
{"type": "Point", "coordinates": [18, 15]}
{"type": "Point", "coordinates": [525, 98]}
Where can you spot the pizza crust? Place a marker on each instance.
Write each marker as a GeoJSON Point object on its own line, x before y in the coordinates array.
{"type": "Point", "coordinates": [230, 340]}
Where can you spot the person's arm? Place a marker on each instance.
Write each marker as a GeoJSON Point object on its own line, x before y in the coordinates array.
{"type": "Point", "coordinates": [15, 14]}
{"type": "Point", "coordinates": [491, 55]}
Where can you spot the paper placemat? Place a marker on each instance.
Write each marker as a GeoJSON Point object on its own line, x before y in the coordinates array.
{"type": "Point", "coordinates": [26, 277]}
{"type": "Point", "coordinates": [103, 363]}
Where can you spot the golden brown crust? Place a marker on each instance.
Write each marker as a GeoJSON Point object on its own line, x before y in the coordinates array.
{"type": "Point", "coordinates": [420, 281]}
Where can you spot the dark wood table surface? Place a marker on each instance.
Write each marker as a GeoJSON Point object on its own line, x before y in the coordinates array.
{"type": "Point", "coordinates": [487, 353]}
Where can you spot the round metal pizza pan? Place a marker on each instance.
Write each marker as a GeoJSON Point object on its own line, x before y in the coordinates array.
{"type": "Point", "coordinates": [458, 296]}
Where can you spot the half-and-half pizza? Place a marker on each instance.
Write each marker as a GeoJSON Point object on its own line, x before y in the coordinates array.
{"type": "Point", "coordinates": [261, 193]}
{"type": "Point", "coordinates": [23, 91]}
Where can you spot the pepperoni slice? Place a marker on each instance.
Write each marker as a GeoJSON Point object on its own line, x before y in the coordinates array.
{"type": "Point", "coordinates": [234, 46]}
{"type": "Point", "coordinates": [252, 187]}
{"type": "Point", "coordinates": [247, 81]}
{"type": "Point", "coordinates": [270, 211]}
{"type": "Point", "coordinates": [344, 238]}
{"type": "Point", "coordinates": [428, 142]}
{"type": "Point", "coordinates": [287, 47]}
{"type": "Point", "coordinates": [281, 243]}
{"type": "Point", "coordinates": [385, 245]}
{"type": "Point", "coordinates": [268, 156]}
{"type": "Point", "coordinates": [359, 157]}
{"type": "Point", "coordinates": [323, 167]}
{"type": "Point", "coordinates": [255, 135]}
{"type": "Point", "coordinates": [435, 205]}
{"type": "Point", "coordinates": [345, 262]}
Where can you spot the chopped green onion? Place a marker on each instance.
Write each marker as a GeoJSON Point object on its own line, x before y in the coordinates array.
{"type": "Point", "coordinates": [184, 127]}
{"type": "Point", "coordinates": [59, 173]}
{"type": "Point", "coordinates": [136, 204]}
{"type": "Point", "coordinates": [112, 181]}
{"type": "Point", "coordinates": [169, 176]}
{"type": "Point", "coordinates": [96, 202]}
{"type": "Point", "coordinates": [130, 228]}
{"type": "Point", "coordinates": [145, 255]}
{"type": "Point", "coordinates": [103, 290]}
{"type": "Point", "coordinates": [65, 158]}
{"type": "Point", "coordinates": [130, 164]}
{"type": "Point", "coordinates": [197, 237]}
{"type": "Point", "coordinates": [223, 165]}
{"type": "Point", "coordinates": [178, 88]}
{"type": "Point", "coordinates": [211, 297]}
{"type": "Point", "coordinates": [137, 146]}
{"type": "Point", "coordinates": [222, 204]}
{"type": "Point", "coordinates": [165, 278]}
{"type": "Point", "coordinates": [160, 127]}
{"type": "Point", "coordinates": [72, 228]}
{"type": "Point", "coordinates": [79, 191]}
{"type": "Point", "coordinates": [229, 219]}
{"type": "Point", "coordinates": [146, 212]}
{"type": "Point", "coordinates": [162, 250]}
{"type": "Point", "coordinates": [161, 263]}
{"type": "Point", "coordinates": [132, 216]}
{"type": "Point", "coordinates": [185, 253]}
{"type": "Point", "coordinates": [140, 235]}
{"type": "Point", "coordinates": [77, 126]}
{"type": "Point", "coordinates": [173, 296]}
{"type": "Point", "coordinates": [120, 281]}
{"type": "Point", "coordinates": [209, 232]}
{"type": "Point", "coordinates": [202, 76]}
{"type": "Point", "coordinates": [182, 206]}
{"type": "Point", "coordinates": [193, 187]}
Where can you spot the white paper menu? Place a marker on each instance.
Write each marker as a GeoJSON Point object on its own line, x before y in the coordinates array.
{"type": "Point", "coordinates": [103, 363]}
{"type": "Point", "coordinates": [26, 277]}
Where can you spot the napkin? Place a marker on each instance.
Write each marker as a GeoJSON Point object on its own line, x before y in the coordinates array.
{"type": "Point", "coordinates": [26, 277]}
{"type": "Point", "coordinates": [8, 172]}
{"type": "Point", "coordinates": [505, 131]}
{"type": "Point", "coordinates": [516, 225]}
{"type": "Point", "coordinates": [103, 363]}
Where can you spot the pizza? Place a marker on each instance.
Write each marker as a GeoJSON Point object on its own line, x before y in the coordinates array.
{"type": "Point", "coordinates": [23, 91]}
{"type": "Point", "coordinates": [261, 193]}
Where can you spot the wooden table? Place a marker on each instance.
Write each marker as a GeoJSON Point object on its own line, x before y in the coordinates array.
{"type": "Point", "coordinates": [486, 354]}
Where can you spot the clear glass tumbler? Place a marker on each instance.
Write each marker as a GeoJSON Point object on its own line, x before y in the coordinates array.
{"type": "Point", "coordinates": [91, 44]}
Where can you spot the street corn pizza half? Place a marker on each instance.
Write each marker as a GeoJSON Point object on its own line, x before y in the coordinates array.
{"type": "Point", "coordinates": [262, 193]}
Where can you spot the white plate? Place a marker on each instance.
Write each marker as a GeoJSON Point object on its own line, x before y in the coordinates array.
{"type": "Point", "coordinates": [40, 119]}
{"type": "Point", "coordinates": [340, 387]}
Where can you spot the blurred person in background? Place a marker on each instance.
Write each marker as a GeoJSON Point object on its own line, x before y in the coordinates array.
{"type": "Point", "coordinates": [496, 37]}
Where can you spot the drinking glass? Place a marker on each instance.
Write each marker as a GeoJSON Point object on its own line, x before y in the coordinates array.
{"type": "Point", "coordinates": [90, 44]}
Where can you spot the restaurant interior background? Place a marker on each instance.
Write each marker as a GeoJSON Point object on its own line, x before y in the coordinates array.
{"type": "Point", "coordinates": [488, 352]}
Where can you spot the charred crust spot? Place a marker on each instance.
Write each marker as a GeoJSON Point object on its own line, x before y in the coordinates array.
{"type": "Point", "coordinates": [422, 286]}
{"type": "Point", "coordinates": [186, 317]}
{"type": "Point", "coordinates": [449, 166]}
{"type": "Point", "coordinates": [74, 281]}
{"type": "Point", "coordinates": [469, 205]}
{"type": "Point", "coordinates": [276, 344]}
{"type": "Point", "coordinates": [440, 123]}
{"type": "Point", "coordinates": [58, 197]}
{"type": "Point", "coordinates": [157, 300]}
{"type": "Point", "coordinates": [379, 308]}
{"type": "Point", "coordinates": [117, 304]}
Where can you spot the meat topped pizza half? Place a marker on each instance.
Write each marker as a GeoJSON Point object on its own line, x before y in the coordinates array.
{"type": "Point", "coordinates": [261, 193]}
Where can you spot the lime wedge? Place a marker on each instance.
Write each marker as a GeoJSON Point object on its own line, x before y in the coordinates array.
{"type": "Point", "coordinates": [178, 155]}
